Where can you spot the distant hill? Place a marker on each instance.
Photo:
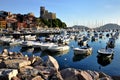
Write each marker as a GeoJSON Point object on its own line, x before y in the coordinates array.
{"type": "Point", "coordinates": [80, 27]}
{"type": "Point", "coordinates": [109, 26]}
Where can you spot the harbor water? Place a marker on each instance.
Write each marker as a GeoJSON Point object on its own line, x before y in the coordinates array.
{"type": "Point", "coordinates": [91, 62]}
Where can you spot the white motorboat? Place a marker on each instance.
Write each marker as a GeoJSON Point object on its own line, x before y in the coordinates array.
{"type": "Point", "coordinates": [9, 41]}
{"type": "Point", "coordinates": [5, 39]}
{"type": "Point", "coordinates": [105, 52]}
{"type": "Point", "coordinates": [33, 44]}
{"type": "Point", "coordinates": [94, 38]}
{"type": "Point", "coordinates": [83, 42]}
{"type": "Point", "coordinates": [79, 37]}
{"type": "Point", "coordinates": [83, 50]}
{"type": "Point", "coordinates": [45, 46]}
{"type": "Point", "coordinates": [15, 42]}
{"type": "Point", "coordinates": [58, 48]}
{"type": "Point", "coordinates": [116, 35]}
{"type": "Point", "coordinates": [26, 44]}
{"type": "Point", "coordinates": [36, 44]}
{"type": "Point", "coordinates": [42, 39]}
{"type": "Point", "coordinates": [28, 37]}
{"type": "Point", "coordinates": [65, 40]}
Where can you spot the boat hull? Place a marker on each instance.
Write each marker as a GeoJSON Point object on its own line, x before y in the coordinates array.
{"type": "Point", "coordinates": [58, 48]}
{"type": "Point", "coordinates": [105, 52]}
{"type": "Point", "coordinates": [82, 51]}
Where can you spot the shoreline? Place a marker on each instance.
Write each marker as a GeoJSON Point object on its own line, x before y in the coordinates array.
{"type": "Point", "coordinates": [19, 67]}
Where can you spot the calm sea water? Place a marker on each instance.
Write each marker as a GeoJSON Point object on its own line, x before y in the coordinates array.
{"type": "Point", "coordinates": [91, 62]}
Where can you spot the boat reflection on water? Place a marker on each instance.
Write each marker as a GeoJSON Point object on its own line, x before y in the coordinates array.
{"type": "Point", "coordinates": [26, 49]}
{"type": "Point", "coordinates": [79, 57]}
{"type": "Point", "coordinates": [36, 50]}
{"type": "Point", "coordinates": [104, 60]}
{"type": "Point", "coordinates": [46, 52]}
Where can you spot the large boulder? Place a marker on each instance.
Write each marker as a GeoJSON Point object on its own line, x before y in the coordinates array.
{"type": "Point", "coordinates": [52, 62]}
{"type": "Point", "coordinates": [46, 71]}
{"type": "Point", "coordinates": [29, 73]}
{"type": "Point", "coordinates": [16, 63]}
{"type": "Point", "coordinates": [5, 52]}
{"type": "Point", "coordinates": [73, 74]}
{"type": "Point", "coordinates": [15, 78]}
{"type": "Point", "coordinates": [7, 74]}
{"type": "Point", "coordinates": [56, 76]}
{"type": "Point", "coordinates": [69, 74]}
{"type": "Point", "coordinates": [32, 59]}
{"type": "Point", "coordinates": [76, 74]}
{"type": "Point", "coordinates": [37, 78]}
{"type": "Point", "coordinates": [23, 69]}
{"type": "Point", "coordinates": [11, 55]}
{"type": "Point", "coordinates": [83, 75]}
{"type": "Point", "coordinates": [14, 55]}
{"type": "Point", "coordinates": [36, 61]}
{"type": "Point", "coordinates": [94, 74]}
{"type": "Point", "coordinates": [3, 57]}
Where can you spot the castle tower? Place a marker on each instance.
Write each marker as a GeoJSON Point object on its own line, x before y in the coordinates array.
{"type": "Point", "coordinates": [42, 11]}
{"type": "Point", "coordinates": [44, 14]}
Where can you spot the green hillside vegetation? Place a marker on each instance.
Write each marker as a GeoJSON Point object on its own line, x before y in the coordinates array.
{"type": "Point", "coordinates": [51, 23]}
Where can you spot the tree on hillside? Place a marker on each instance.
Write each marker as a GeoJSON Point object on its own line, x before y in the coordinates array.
{"type": "Point", "coordinates": [54, 23]}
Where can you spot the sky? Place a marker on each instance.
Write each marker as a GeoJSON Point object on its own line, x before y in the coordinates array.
{"type": "Point", "coordinates": [91, 13]}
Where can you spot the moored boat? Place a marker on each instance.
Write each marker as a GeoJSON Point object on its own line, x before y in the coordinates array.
{"type": "Point", "coordinates": [45, 46]}
{"type": "Point", "coordinates": [111, 43]}
{"type": "Point", "coordinates": [94, 38]}
{"type": "Point", "coordinates": [26, 44]}
{"type": "Point", "coordinates": [116, 35]}
{"type": "Point", "coordinates": [58, 48]}
{"type": "Point", "coordinates": [83, 50]}
{"type": "Point", "coordinates": [105, 52]}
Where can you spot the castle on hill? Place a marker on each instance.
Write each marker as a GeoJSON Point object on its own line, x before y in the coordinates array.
{"type": "Point", "coordinates": [44, 14]}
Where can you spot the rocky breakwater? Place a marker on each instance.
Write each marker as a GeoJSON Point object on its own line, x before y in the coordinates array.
{"type": "Point", "coordinates": [15, 66]}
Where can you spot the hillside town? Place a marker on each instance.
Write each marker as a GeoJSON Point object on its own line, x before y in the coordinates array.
{"type": "Point", "coordinates": [11, 21]}
{"type": "Point", "coordinates": [16, 21]}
